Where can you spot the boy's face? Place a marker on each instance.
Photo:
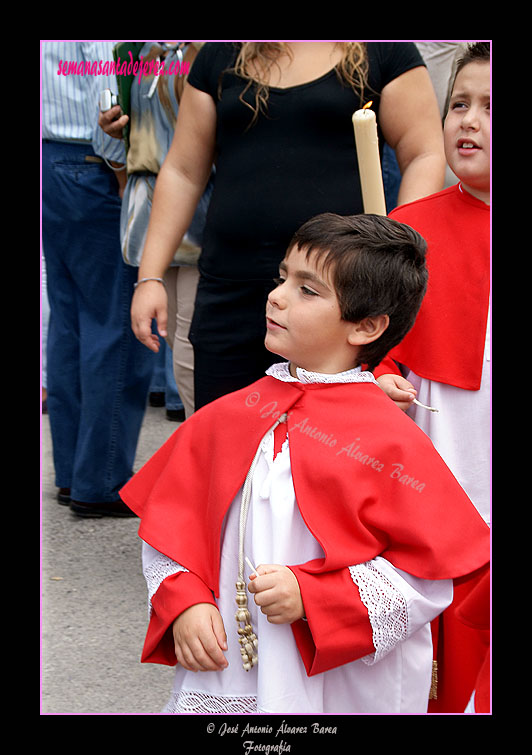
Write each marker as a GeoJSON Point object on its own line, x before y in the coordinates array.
{"type": "Point", "coordinates": [303, 319]}
{"type": "Point", "coordinates": [467, 129]}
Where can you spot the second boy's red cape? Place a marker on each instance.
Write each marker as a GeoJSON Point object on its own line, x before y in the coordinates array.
{"type": "Point", "coordinates": [447, 340]}
{"type": "Point", "coordinates": [367, 480]}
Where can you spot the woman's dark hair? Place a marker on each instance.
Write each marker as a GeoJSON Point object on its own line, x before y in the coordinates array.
{"type": "Point", "coordinates": [377, 266]}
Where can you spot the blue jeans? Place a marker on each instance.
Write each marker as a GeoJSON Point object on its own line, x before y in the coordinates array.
{"type": "Point", "coordinates": [391, 177]}
{"type": "Point", "coordinates": [163, 380]}
{"type": "Point", "coordinates": [98, 373]}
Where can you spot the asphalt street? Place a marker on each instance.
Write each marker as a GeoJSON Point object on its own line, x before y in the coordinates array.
{"type": "Point", "coordinates": [94, 608]}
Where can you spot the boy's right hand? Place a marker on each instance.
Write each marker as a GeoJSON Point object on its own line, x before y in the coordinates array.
{"type": "Point", "coordinates": [200, 639]}
{"type": "Point", "coordinates": [399, 389]}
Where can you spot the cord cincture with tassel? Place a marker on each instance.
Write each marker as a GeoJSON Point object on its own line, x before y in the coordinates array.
{"type": "Point", "coordinates": [246, 636]}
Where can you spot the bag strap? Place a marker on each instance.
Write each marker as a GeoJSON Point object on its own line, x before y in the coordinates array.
{"type": "Point", "coordinates": [188, 57]}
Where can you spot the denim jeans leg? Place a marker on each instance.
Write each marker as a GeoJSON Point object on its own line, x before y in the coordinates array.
{"type": "Point", "coordinates": [97, 370]}
{"type": "Point", "coordinates": [158, 379]}
{"type": "Point", "coordinates": [62, 377]}
{"type": "Point", "coordinates": [391, 177]}
{"type": "Point", "coordinates": [173, 399]}
{"type": "Point", "coordinates": [116, 374]}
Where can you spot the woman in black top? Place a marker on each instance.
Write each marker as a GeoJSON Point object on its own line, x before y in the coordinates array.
{"type": "Point", "coordinates": [284, 151]}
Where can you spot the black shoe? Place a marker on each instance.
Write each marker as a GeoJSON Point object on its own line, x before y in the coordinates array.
{"type": "Point", "coordinates": [97, 510]}
{"type": "Point", "coordinates": [157, 399]}
{"type": "Point", "coordinates": [63, 496]}
{"type": "Point", "coordinates": [175, 415]}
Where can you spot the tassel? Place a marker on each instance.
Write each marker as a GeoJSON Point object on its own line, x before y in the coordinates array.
{"type": "Point", "coordinates": [433, 694]}
{"type": "Point", "coordinates": [246, 636]}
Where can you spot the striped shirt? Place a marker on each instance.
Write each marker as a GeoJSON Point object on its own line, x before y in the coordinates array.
{"type": "Point", "coordinates": [70, 103]}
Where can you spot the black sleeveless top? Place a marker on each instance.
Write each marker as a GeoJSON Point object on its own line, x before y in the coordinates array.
{"type": "Point", "coordinates": [296, 161]}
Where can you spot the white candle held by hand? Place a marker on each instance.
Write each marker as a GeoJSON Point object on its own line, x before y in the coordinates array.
{"type": "Point", "coordinates": [369, 163]}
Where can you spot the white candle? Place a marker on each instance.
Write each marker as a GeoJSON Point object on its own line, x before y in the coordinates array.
{"type": "Point", "coordinates": [369, 163]}
{"type": "Point", "coordinates": [251, 566]}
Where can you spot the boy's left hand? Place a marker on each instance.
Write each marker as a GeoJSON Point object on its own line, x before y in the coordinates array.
{"type": "Point", "coordinates": [277, 593]}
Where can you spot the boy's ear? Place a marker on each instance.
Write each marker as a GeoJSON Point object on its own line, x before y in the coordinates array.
{"type": "Point", "coordinates": [368, 330]}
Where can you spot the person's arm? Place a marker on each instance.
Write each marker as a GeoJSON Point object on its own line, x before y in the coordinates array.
{"type": "Point", "coordinates": [180, 184]}
{"type": "Point", "coordinates": [411, 125]}
{"type": "Point", "coordinates": [111, 150]}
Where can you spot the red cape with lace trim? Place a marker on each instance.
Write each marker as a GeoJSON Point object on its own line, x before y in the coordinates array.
{"type": "Point", "coordinates": [367, 480]}
{"type": "Point", "coordinates": [447, 340]}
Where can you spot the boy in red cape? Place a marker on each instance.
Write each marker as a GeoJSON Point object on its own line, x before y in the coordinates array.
{"type": "Point", "coordinates": [315, 486]}
{"type": "Point", "coordinates": [445, 358]}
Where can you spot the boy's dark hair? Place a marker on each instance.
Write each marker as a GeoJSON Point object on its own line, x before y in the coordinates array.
{"type": "Point", "coordinates": [378, 268]}
{"type": "Point", "coordinates": [479, 52]}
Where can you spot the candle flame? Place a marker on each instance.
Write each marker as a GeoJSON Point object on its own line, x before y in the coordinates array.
{"type": "Point", "coordinates": [368, 104]}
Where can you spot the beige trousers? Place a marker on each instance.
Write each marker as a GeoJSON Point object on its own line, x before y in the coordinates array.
{"type": "Point", "coordinates": [181, 284]}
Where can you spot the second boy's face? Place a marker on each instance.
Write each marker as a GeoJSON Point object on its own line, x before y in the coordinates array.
{"type": "Point", "coordinates": [303, 319]}
{"type": "Point", "coordinates": [467, 129]}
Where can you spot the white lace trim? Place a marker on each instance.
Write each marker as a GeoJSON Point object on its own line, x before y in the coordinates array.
{"type": "Point", "coordinates": [387, 609]}
{"type": "Point", "coordinates": [281, 371]}
{"type": "Point", "coordinates": [157, 571]}
{"type": "Point", "coordinates": [191, 701]}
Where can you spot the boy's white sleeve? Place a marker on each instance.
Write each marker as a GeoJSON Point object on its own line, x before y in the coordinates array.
{"type": "Point", "coordinates": [156, 567]}
{"type": "Point", "coordinates": [398, 604]}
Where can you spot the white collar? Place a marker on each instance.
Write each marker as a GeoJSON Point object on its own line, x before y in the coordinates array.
{"type": "Point", "coordinates": [281, 371]}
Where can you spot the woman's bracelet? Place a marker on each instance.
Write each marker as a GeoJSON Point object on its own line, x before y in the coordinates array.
{"type": "Point", "coordinates": [143, 280]}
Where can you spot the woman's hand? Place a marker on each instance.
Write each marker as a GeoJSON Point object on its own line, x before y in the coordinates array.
{"type": "Point", "coordinates": [150, 301]}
